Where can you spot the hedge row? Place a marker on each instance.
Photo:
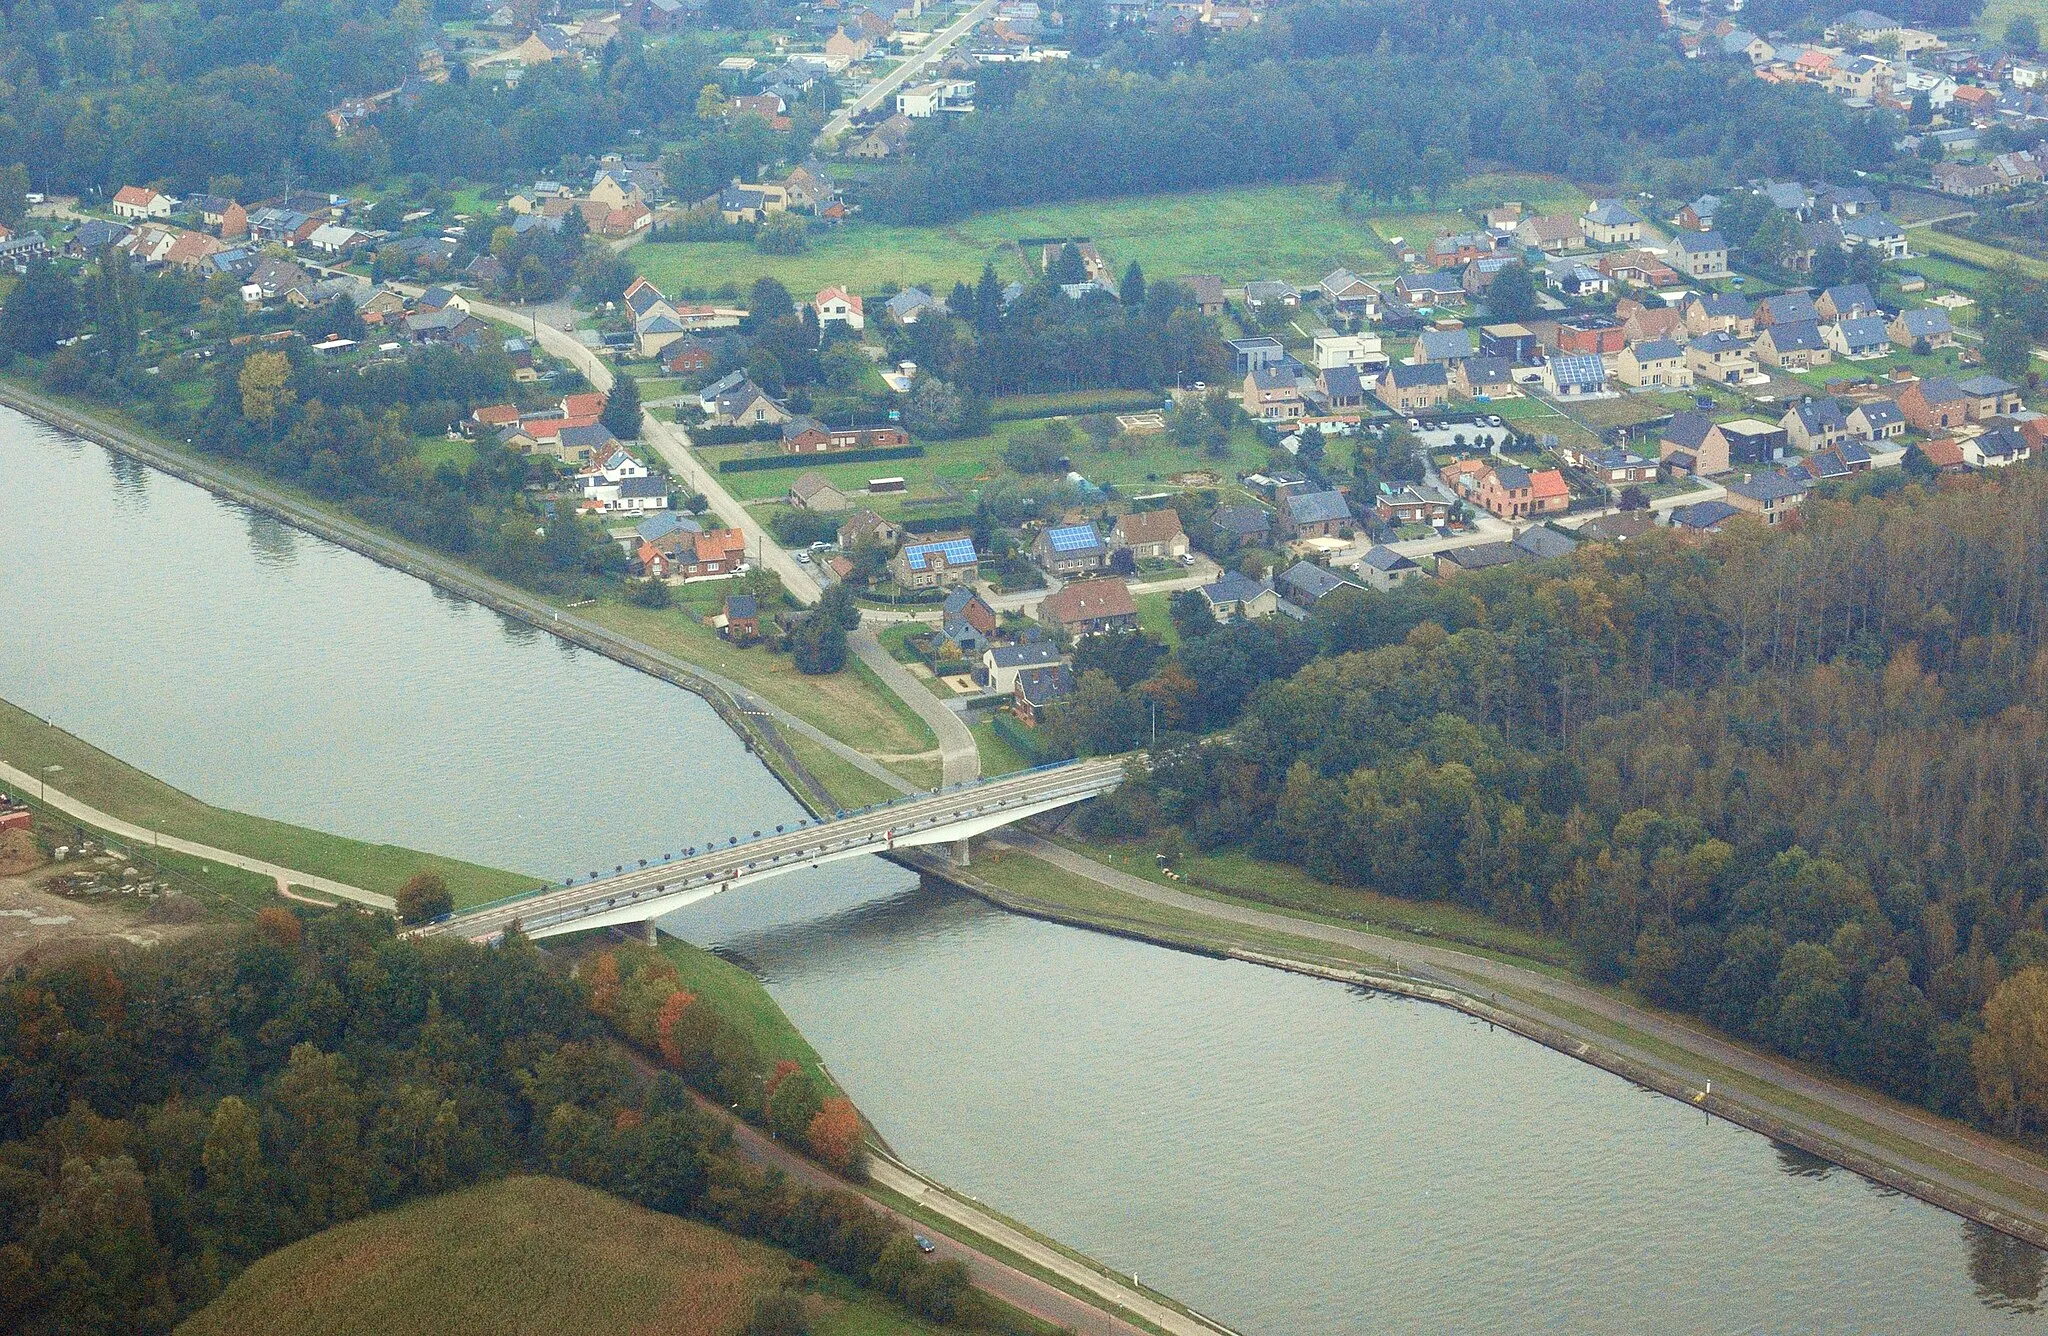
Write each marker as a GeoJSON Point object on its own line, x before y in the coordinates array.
{"type": "Point", "coordinates": [1025, 740]}
{"type": "Point", "coordinates": [760, 431]}
{"type": "Point", "coordinates": [766, 462]}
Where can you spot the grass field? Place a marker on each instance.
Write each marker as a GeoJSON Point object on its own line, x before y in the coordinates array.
{"type": "Point", "coordinates": [739, 997]}
{"type": "Point", "coordinates": [1978, 254]}
{"type": "Point", "coordinates": [851, 707]}
{"type": "Point", "coordinates": [120, 790]}
{"type": "Point", "coordinates": [998, 757]}
{"type": "Point", "coordinates": [524, 1255]}
{"type": "Point", "coordinates": [1998, 13]}
{"type": "Point", "coordinates": [1296, 232]}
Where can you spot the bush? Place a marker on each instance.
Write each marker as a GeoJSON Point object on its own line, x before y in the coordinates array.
{"type": "Point", "coordinates": [801, 528]}
{"type": "Point", "coordinates": [648, 594]}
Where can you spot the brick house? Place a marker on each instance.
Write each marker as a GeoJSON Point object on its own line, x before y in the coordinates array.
{"type": "Point", "coordinates": [1090, 607]}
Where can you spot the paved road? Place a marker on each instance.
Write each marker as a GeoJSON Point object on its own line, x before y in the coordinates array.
{"type": "Point", "coordinates": [72, 807]}
{"type": "Point", "coordinates": [1780, 1085]}
{"type": "Point", "coordinates": [959, 758]}
{"type": "Point", "coordinates": [890, 82]}
{"type": "Point", "coordinates": [1044, 1301]}
{"type": "Point", "coordinates": [633, 894]}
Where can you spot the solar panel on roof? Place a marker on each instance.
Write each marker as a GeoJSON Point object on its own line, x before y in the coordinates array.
{"type": "Point", "coordinates": [1075, 538]}
{"type": "Point", "coordinates": [957, 552]}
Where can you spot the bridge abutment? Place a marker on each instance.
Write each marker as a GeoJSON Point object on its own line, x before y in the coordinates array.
{"type": "Point", "coordinates": [961, 852]}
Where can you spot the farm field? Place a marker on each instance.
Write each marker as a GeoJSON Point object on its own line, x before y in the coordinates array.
{"type": "Point", "coordinates": [524, 1255]}
{"type": "Point", "coordinates": [1297, 232]}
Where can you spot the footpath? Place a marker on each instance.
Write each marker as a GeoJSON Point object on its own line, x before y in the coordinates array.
{"type": "Point", "coordinates": [285, 877]}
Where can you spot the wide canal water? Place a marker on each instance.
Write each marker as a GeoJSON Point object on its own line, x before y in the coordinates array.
{"type": "Point", "coordinates": [1288, 1155]}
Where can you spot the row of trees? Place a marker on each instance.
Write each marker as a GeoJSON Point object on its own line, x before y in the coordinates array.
{"type": "Point", "coordinates": [168, 1117]}
{"type": "Point", "coordinates": [1790, 780]}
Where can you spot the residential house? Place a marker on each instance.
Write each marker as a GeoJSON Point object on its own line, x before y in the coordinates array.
{"type": "Point", "coordinates": [1815, 424]}
{"type": "Point", "coordinates": [1442, 288]}
{"type": "Point", "coordinates": [808, 436]}
{"type": "Point", "coordinates": [967, 620]}
{"type": "Point", "coordinates": [741, 620]}
{"type": "Point", "coordinates": [1090, 607]}
{"type": "Point", "coordinates": [1236, 597]}
{"type": "Point", "coordinates": [1510, 491]}
{"type": "Point", "coordinates": [1876, 232]}
{"type": "Point", "coordinates": [1575, 278]}
{"type": "Point", "coordinates": [1931, 324]}
{"type": "Point", "coordinates": [1792, 347]}
{"type": "Point", "coordinates": [1443, 345]}
{"type": "Point", "coordinates": [1968, 180]}
{"type": "Point", "coordinates": [1935, 404]}
{"type": "Point", "coordinates": [1839, 460]}
{"type": "Point", "coordinates": [1304, 585]}
{"type": "Point", "coordinates": [1638, 269]}
{"type": "Point", "coordinates": [686, 356]}
{"type": "Point", "coordinates": [940, 97]}
{"type": "Point", "coordinates": [1609, 222]}
{"type": "Point", "coordinates": [931, 563]}
{"type": "Point", "coordinates": [1410, 504]}
{"type": "Point", "coordinates": [1990, 397]}
{"type": "Point", "coordinates": [1000, 664]}
{"type": "Point", "coordinates": [1305, 514]}
{"type": "Point", "coordinates": [1702, 517]}
{"type": "Point", "coordinates": [1345, 388]}
{"type": "Point", "coordinates": [864, 527]}
{"type": "Point", "coordinates": [1640, 323]}
{"type": "Point", "coordinates": [1698, 216]}
{"type": "Point", "coordinates": [1262, 293]}
{"type": "Point", "coordinates": [1700, 255]}
{"type": "Point", "coordinates": [1272, 394]}
{"type": "Point", "coordinates": [2001, 447]}
{"type": "Point", "coordinates": [139, 203]}
{"type": "Point", "coordinates": [1878, 420]}
{"type": "Point", "coordinates": [1785, 308]}
{"type": "Point", "coordinates": [1690, 443]}
{"type": "Point", "coordinates": [1750, 441]}
{"type": "Point", "coordinates": [1858, 338]}
{"type": "Point", "coordinates": [1655, 363]}
{"type": "Point", "coordinates": [837, 306]}
{"type": "Point", "coordinates": [1593, 334]}
{"type": "Point", "coordinates": [811, 491]}
{"type": "Point", "coordinates": [908, 305]}
{"type": "Point", "coordinates": [1069, 549]}
{"type": "Point", "coordinates": [886, 140]}
{"type": "Point", "coordinates": [1717, 313]}
{"type": "Point", "coordinates": [1575, 375]}
{"type": "Point", "coordinates": [1150, 534]}
{"type": "Point", "coordinates": [1239, 525]}
{"type": "Point", "coordinates": [1383, 568]}
{"type": "Point", "coordinates": [1846, 301]}
{"type": "Point", "coordinates": [1346, 292]}
{"type": "Point", "coordinates": [1553, 234]}
{"type": "Point", "coordinates": [1612, 465]}
{"type": "Point", "coordinates": [1253, 353]}
{"type": "Point", "coordinates": [1411, 389]}
{"type": "Point", "coordinates": [1483, 378]}
{"type": "Point", "coordinates": [1516, 343]}
{"type": "Point", "coordinates": [1772, 496]}
{"type": "Point", "coordinates": [1040, 690]}
{"type": "Point", "coordinates": [1720, 358]}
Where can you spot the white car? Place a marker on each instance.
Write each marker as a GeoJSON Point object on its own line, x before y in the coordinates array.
{"type": "Point", "coordinates": [803, 558]}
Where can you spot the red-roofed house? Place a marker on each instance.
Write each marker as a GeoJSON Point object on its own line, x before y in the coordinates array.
{"type": "Point", "coordinates": [838, 306]}
{"type": "Point", "coordinates": [588, 405]}
{"type": "Point", "coordinates": [140, 202]}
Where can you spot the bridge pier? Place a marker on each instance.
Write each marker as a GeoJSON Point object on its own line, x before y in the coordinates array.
{"type": "Point", "coordinates": [960, 853]}
{"type": "Point", "coordinates": [653, 938]}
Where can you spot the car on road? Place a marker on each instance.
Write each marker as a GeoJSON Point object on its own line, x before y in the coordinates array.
{"type": "Point", "coordinates": [926, 1245]}
{"type": "Point", "coordinates": [803, 558]}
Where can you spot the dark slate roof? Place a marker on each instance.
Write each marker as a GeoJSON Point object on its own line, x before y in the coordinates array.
{"type": "Point", "coordinates": [1242, 520]}
{"type": "Point", "coordinates": [1768, 487]}
{"type": "Point", "coordinates": [1407, 377]}
{"type": "Point", "coordinates": [1308, 584]}
{"type": "Point", "coordinates": [1343, 382]}
{"type": "Point", "coordinates": [1315, 507]}
{"type": "Point", "coordinates": [1043, 686]}
{"type": "Point", "coordinates": [1233, 587]}
{"type": "Point", "coordinates": [1382, 558]}
{"type": "Point", "coordinates": [1787, 308]}
{"type": "Point", "coordinates": [1702, 514]}
{"type": "Point", "coordinates": [1700, 242]}
{"type": "Point", "coordinates": [1797, 336]}
{"type": "Point", "coordinates": [1541, 541]}
{"type": "Point", "coordinates": [1688, 430]}
{"type": "Point", "coordinates": [1821, 415]}
{"type": "Point", "coordinates": [1511, 476]}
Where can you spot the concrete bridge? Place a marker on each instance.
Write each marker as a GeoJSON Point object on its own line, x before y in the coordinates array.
{"type": "Point", "coordinates": [647, 889]}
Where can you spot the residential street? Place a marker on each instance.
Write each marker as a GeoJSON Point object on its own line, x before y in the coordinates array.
{"type": "Point", "coordinates": [887, 85]}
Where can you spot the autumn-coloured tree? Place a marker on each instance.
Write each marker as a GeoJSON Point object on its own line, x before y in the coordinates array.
{"type": "Point", "coordinates": [423, 898]}
{"type": "Point", "coordinates": [2011, 1057]}
{"type": "Point", "coordinates": [279, 927]}
{"type": "Point", "coordinates": [603, 983]}
{"type": "Point", "coordinates": [834, 1134]}
{"type": "Point", "coordinates": [265, 385]}
{"type": "Point", "coordinates": [667, 1034]}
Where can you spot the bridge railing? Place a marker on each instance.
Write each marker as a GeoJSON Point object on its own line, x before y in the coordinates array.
{"type": "Point", "coordinates": [736, 843]}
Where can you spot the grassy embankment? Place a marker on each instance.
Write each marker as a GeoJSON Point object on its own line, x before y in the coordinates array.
{"type": "Point", "coordinates": [120, 790]}
{"type": "Point", "coordinates": [1289, 892]}
{"type": "Point", "coordinates": [1280, 231]}
{"type": "Point", "coordinates": [739, 997]}
{"type": "Point", "coordinates": [525, 1255]}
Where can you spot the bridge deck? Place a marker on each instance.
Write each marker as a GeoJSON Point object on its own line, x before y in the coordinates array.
{"type": "Point", "coordinates": [638, 892]}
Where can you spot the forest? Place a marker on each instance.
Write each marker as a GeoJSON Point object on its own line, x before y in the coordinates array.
{"type": "Point", "coordinates": [1391, 97]}
{"type": "Point", "coordinates": [169, 1116]}
{"type": "Point", "coordinates": [1791, 780]}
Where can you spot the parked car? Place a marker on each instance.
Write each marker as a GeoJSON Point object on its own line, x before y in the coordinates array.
{"type": "Point", "coordinates": [926, 1245]}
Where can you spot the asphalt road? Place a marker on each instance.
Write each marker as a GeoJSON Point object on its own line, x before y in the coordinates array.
{"type": "Point", "coordinates": [888, 84]}
{"type": "Point", "coordinates": [1778, 1086]}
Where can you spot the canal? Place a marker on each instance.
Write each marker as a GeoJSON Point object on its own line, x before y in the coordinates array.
{"type": "Point", "coordinates": [1286, 1154]}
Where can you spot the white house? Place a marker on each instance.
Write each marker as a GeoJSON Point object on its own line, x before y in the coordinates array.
{"type": "Point", "coordinates": [838, 306]}
{"type": "Point", "coordinates": [137, 202]}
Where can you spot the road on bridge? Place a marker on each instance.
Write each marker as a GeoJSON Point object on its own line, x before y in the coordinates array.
{"type": "Point", "coordinates": [644, 892]}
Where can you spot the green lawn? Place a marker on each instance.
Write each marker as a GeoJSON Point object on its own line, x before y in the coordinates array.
{"type": "Point", "coordinates": [434, 451]}
{"type": "Point", "coordinates": [1998, 13]}
{"type": "Point", "coordinates": [850, 705]}
{"type": "Point", "coordinates": [1297, 232]}
{"type": "Point", "coordinates": [998, 757]}
{"type": "Point", "coordinates": [1153, 616]}
{"type": "Point", "coordinates": [118, 789]}
{"type": "Point", "coordinates": [1978, 254]}
{"type": "Point", "coordinates": [849, 785]}
{"type": "Point", "coordinates": [739, 997]}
